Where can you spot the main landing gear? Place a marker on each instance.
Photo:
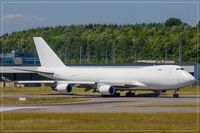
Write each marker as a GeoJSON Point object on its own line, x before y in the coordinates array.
{"type": "Point", "coordinates": [130, 94]}
{"type": "Point", "coordinates": [175, 95]}
{"type": "Point", "coordinates": [116, 94]}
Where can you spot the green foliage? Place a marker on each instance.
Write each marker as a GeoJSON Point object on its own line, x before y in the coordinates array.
{"type": "Point", "coordinates": [173, 22]}
{"type": "Point", "coordinates": [146, 41]}
{"type": "Point", "coordinates": [198, 25]}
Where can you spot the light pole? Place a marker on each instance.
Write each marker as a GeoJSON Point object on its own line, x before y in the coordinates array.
{"type": "Point", "coordinates": [180, 52]}
{"type": "Point", "coordinates": [106, 56]}
{"type": "Point", "coordinates": [80, 60]}
{"type": "Point", "coordinates": [113, 53]}
{"type": "Point", "coordinates": [135, 56]}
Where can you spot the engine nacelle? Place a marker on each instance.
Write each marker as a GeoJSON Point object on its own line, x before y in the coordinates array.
{"type": "Point", "coordinates": [63, 88]}
{"type": "Point", "coordinates": [106, 90]}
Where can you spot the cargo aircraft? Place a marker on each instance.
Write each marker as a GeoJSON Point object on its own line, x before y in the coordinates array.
{"type": "Point", "coordinates": [108, 81]}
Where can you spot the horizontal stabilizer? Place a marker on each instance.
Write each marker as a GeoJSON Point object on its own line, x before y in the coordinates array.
{"type": "Point", "coordinates": [36, 81]}
{"type": "Point", "coordinates": [34, 71]}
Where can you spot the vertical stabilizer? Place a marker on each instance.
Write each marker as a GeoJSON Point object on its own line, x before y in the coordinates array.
{"type": "Point", "coordinates": [46, 55]}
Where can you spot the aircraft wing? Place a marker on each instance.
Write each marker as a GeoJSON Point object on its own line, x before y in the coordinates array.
{"type": "Point", "coordinates": [124, 83]}
{"type": "Point", "coordinates": [54, 81]}
{"type": "Point", "coordinates": [113, 83]}
{"type": "Point", "coordinates": [88, 84]}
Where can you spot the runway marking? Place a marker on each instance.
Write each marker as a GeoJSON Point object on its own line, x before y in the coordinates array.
{"type": "Point", "coordinates": [4, 109]}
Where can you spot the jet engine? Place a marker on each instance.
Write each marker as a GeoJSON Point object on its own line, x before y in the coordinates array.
{"type": "Point", "coordinates": [62, 88]}
{"type": "Point", "coordinates": [106, 90]}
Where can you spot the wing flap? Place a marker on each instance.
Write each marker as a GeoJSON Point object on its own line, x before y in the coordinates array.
{"type": "Point", "coordinates": [77, 82]}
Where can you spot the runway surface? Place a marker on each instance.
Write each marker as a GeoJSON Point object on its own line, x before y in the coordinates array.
{"type": "Point", "coordinates": [99, 104]}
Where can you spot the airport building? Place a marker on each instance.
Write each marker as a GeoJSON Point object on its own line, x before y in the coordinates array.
{"type": "Point", "coordinates": [18, 58]}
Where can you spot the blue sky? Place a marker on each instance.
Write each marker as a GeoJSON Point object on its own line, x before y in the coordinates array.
{"type": "Point", "coordinates": [20, 16]}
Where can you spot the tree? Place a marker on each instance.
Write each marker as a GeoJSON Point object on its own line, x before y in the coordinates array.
{"type": "Point", "coordinates": [198, 25]}
{"type": "Point", "coordinates": [148, 41]}
{"type": "Point", "coordinates": [173, 22]}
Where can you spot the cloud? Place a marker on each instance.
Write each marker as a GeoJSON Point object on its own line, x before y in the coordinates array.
{"type": "Point", "coordinates": [21, 17]}
{"type": "Point", "coordinates": [11, 17]}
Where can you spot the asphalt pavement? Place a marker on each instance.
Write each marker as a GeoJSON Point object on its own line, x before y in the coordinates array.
{"type": "Point", "coordinates": [99, 104]}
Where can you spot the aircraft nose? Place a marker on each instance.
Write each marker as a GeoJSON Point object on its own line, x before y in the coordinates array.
{"type": "Point", "coordinates": [191, 79]}
{"type": "Point", "coordinates": [188, 78]}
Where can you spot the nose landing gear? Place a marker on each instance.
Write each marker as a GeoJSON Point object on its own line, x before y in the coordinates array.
{"type": "Point", "coordinates": [175, 95]}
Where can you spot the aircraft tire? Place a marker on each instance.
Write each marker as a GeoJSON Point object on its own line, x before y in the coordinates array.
{"type": "Point", "coordinates": [117, 94]}
{"type": "Point", "coordinates": [175, 95]}
{"type": "Point", "coordinates": [129, 94]}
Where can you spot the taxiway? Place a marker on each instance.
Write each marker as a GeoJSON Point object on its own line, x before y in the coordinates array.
{"type": "Point", "coordinates": [99, 104]}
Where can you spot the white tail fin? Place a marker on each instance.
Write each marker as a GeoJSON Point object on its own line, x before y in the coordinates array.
{"type": "Point", "coordinates": [46, 55]}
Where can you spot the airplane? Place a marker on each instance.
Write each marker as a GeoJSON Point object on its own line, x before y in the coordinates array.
{"type": "Point", "coordinates": [108, 81]}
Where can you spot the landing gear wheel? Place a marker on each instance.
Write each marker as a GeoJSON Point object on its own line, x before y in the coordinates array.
{"type": "Point", "coordinates": [175, 95]}
{"type": "Point", "coordinates": [104, 95]}
{"type": "Point", "coordinates": [117, 94]}
{"type": "Point", "coordinates": [129, 94]}
{"type": "Point", "coordinates": [132, 94]}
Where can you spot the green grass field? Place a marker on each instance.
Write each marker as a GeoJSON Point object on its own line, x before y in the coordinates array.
{"type": "Point", "coordinates": [94, 122]}
{"type": "Point", "coordinates": [28, 90]}
{"type": "Point", "coordinates": [99, 121]}
{"type": "Point", "coordinates": [190, 90]}
{"type": "Point", "coordinates": [42, 100]}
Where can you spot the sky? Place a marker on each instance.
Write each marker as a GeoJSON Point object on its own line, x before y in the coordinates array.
{"type": "Point", "coordinates": [18, 15]}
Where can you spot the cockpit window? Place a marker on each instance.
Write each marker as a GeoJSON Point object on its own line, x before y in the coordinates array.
{"type": "Point", "coordinates": [180, 68]}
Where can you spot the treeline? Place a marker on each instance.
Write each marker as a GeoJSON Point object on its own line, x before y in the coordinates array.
{"type": "Point", "coordinates": [127, 43]}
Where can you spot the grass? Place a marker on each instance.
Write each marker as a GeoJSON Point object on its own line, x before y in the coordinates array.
{"type": "Point", "coordinates": [42, 100]}
{"type": "Point", "coordinates": [28, 90]}
{"type": "Point", "coordinates": [99, 121]}
{"type": "Point", "coordinates": [190, 90]}
{"type": "Point", "coordinates": [40, 90]}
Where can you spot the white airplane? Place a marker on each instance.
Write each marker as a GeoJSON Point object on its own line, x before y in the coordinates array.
{"type": "Point", "coordinates": [108, 81]}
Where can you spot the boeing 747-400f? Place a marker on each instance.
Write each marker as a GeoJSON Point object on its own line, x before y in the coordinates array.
{"type": "Point", "coordinates": [108, 81]}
